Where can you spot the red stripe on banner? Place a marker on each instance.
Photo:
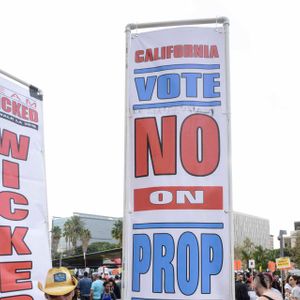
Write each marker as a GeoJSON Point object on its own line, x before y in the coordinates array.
{"type": "Point", "coordinates": [178, 197]}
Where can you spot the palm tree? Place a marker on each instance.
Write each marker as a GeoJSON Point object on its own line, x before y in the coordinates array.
{"type": "Point", "coordinates": [117, 231]}
{"type": "Point", "coordinates": [67, 233]}
{"type": "Point", "coordinates": [85, 238]}
{"type": "Point", "coordinates": [77, 226]}
{"type": "Point", "coordinates": [55, 238]}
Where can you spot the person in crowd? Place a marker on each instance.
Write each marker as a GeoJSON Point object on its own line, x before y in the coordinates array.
{"type": "Point", "coordinates": [241, 290]}
{"type": "Point", "coordinates": [251, 292]}
{"type": "Point", "coordinates": [108, 293]}
{"type": "Point", "coordinates": [270, 283]}
{"type": "Point", "coordinates": [84, 287]}
{"type": "Point", "coordinates": [287, 288]}
{"type": "Point", "coordinates": [262, 284]}
{"type": "Point", "coordinates": [96, 288]}
{"type": "Point", "coordinates": [118, 283]}
{"type": "Point", "coordinates": [115, 289]}
{"type": "Point", "coordinates": [294, 283]}
{"type": "Point", "coordinates": [60, 284]}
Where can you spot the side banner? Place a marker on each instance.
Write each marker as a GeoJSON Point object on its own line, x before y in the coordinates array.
{"type": "Point", "coordinates": [177, 226]}
{"type": "Point", "coordinates": [24, 238]}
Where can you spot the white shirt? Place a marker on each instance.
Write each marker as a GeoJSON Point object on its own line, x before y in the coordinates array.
{"type": "Point", "coordinates": [296, 292]}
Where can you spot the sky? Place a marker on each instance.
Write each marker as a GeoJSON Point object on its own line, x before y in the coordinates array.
{"type": "Point", "coordinates": [75, 52]}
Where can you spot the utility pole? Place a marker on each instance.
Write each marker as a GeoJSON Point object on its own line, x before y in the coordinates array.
{"type": "Point", "coordinates": [280, 238]}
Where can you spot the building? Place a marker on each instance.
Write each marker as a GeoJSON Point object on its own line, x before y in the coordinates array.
{"type": "Point", "coordinates": [291, 241]}
{"type": "Point", "coordinates": [255, 228]}
{"type": "Point", "coordinates": [99, 226]}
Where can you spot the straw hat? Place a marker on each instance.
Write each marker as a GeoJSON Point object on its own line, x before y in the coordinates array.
{"type": "Point", "coordinates": [59, 281]}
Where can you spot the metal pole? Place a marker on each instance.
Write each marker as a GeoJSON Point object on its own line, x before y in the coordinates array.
{"type": "Point", "coordinates": [34, 91]}
{"type": "Point", "coordinates": [15, 78]}
{"type": "Point", "coordinates": [225, 22]}
{"type": "Point", "coordinates": [125, 252]}
{"type": "Point", "coordinates": [218, 20]}
{"type": "Point", "coordinates": [280, 237]}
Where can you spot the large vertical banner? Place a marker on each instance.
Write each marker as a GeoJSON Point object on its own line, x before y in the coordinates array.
{"type": "Point", "coordinates": [24, 239]}
{"type": "Point", "coordinates": [178, 230]}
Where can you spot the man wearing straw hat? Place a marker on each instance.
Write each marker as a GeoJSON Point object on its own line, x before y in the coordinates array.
{"type": "Point", "coordinates": [60, 284]}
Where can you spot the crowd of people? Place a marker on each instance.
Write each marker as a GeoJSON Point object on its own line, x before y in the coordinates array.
{"type": "Point", "coordinates": [263, 286]}
{"type": "Point", "coordinates": [61, 285]}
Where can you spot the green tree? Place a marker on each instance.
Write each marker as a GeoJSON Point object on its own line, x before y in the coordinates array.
{"type": "Point", "coordinates": [67, 232]}
{"type": "Point", "coordinates": [260, 255]}
{"type": "Point", "coordinates": [55, 238]}
{"type": "Point", "coordinates": [85, 239]}
{"type": "Point", "coordinates": [117, 231]}
{"type": "Point", "coordinates": [101, 246]}
{"type": "Point", "coordinates": [247, 250]}
{"type": "Point", "coordinates": [72, 231]}
{"type": "Point", "coordinates": [76, 228]}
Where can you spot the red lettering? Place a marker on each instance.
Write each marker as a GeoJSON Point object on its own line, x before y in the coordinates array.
{"type": "Point", "coordinates": [198, 50]}
{"type": "Point", "coordinates": [9, 144]}
{"type": "Point", "coordinates": [210, 143]}
{"type": "Point", "coordinates": [214, 51]}
{"type": "Point", "coordinates": [16, 240]}
{"type": "Point", "coordinates": [33, 115]}
{"type": "Point", "coordinates": [206, 51]}
{"type": "Point", "coordinates": [188, 51]}
{"type": "Point", "coordinates": [178, 51]}
{"type": "Point", "coordinates": [24, 112]}
{"type": "Point", "coordinates": [149, 55]}
{"type": "Point", "coordinates": [6, 210]}
{"type": "Point", "coordinates": [12, 278]}
{"type": "Point", "coordinates": [6, 104]}
{"type": "Point", "coordinates": [139, 56]}
{"type": "Point", "coordinates": [16, 108]}
{"type": "Point", "coordinates": [169, 51]}
{"type": "Point", "coordinates": [10, 174]}
{"type": "Point", "coordinates": [162, 152]}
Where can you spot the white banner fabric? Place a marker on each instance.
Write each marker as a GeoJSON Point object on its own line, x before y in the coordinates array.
{"type": "Point", "coordinates": [24, 237]}
{"type": "Point", "coordinates": [177, 225]}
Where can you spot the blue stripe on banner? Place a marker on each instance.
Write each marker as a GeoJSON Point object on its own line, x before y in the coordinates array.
{"type": "Point", "coordinates": [179, 225]}
{"type": "Point", "coordinates": [177, 103]}
{"type": "Point", "coordinates": [177, 66]}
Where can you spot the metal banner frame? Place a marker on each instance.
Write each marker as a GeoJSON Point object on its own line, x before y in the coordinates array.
{"type": "Point", "coordinates": [129, 29]}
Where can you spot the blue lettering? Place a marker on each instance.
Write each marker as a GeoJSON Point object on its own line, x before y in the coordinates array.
{"type": "Point", "coordinates": [168, 86]}
{"type": "Point", "coordinates": [211, 259]}
{"type": "Point", "coordinates": [191, 83]}
{"type": "Point", "coordinates": [209, 85]}
{"type": "Point", "coordinates": [145, 89]}
{"type": "Point", "coordinates": [163, 255]}
{"type": "Point", "coordinates": [188, 263]}
{"type": "Point", "coordinates": [141, 258]}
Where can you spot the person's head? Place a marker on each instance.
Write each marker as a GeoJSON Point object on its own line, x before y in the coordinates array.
{"type": "Point", "coordinates": [85, 274]}
{"type": "Point", "coordinates": [268, 279]}
{"type": "Point", "coordinates": [239, 276]}
{"type": "Point", "coordinates": [293, 280]}
{"type": "Point", "coordinates": [261, 283]}
{"type": "Point", "coordinates": [107, 286]}
{"type": "Point", "coordinates": [60, 284]}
